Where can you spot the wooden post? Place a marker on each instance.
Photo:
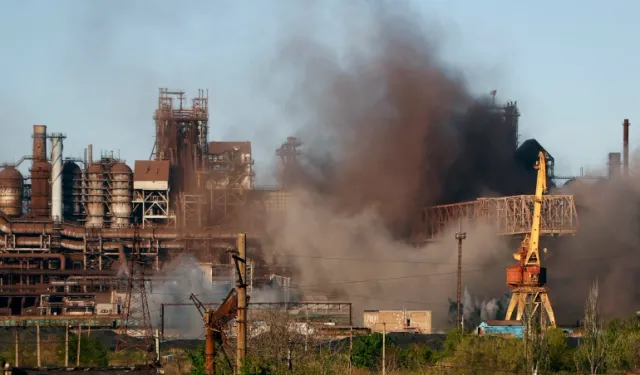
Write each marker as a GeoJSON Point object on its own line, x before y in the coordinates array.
{"type": "Point", "coordinates": [38, 345]}
{"type": "Point", "coordinates": [79, 336]}
{"type": "Point", "coordinates": [350, 349]}
{"type": "Point", "coordinates": [384, 348]}
{"type": "Point", "coordinates": [157, 345]}
{"type": "Point", "coordinates": [242, 303]}
{"type": "Point", "coordinates": [17, 339]}
{"type": "Point", "coordinates": [66, 346]}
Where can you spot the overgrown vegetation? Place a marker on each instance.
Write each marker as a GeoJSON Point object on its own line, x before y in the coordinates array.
{"type": "Point", "coordinates": [601, 349]}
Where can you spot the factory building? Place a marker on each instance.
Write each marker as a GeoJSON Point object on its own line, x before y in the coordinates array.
{"type": "Point", "coordinates": [66, 229]}
{"type": "Point", "coordinates": [418, 321]}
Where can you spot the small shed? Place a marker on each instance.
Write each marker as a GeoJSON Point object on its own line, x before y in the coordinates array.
{"type": "Point", "coordinates": [508, 328]}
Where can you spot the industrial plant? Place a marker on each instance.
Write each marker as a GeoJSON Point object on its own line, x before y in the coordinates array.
{"type": "Point", "coordinates": [72, 230]}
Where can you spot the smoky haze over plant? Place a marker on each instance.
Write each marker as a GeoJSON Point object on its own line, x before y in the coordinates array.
{"type": "Point", "coordinates": [388, 128]}
{"type": "Point", "coordinates": [605, 248]}
{"type": "Point", "coordinates": [386, 123]}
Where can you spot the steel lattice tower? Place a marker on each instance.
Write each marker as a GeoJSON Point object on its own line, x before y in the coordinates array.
{"type": "Point", "coordinates": [136, 332]}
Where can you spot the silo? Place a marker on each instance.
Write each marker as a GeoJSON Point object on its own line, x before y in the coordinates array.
{"type": "Point", "coordinates": [70, 172]}
{"type": "Point", "coordinates": [11, 190]}
{"type": "Point", "coordinates": [40, 188]}
{"type": "Point", "coordinates": [95, 196]}
{"type": "Point", "coordinates": [121, 194]}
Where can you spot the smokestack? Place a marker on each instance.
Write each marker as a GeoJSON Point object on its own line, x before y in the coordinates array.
{"type": "Point", "coordinates": [90, 153]}
{"type": "Point", "coordinates": [39, 152]}
{"type": "Point", "coordinates": [614, 165]}
{"type": "Point", "coordinates": [56, 176]}
{"type": "Point", "coordinates": [625, 149]}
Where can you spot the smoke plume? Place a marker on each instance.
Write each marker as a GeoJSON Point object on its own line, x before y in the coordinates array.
{"type": "Point", "coordinates": [183, 277]}
{"type": "Point", "coordinates": [605, 248]}
{"type": "Point", "coordinates": [388, 129]}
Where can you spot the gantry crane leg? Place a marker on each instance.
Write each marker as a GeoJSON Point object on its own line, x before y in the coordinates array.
{"type": "Point", "coordinates": [536, 296]}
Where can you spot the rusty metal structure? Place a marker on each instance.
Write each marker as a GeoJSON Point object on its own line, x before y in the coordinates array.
{"type": "Point", "coordinates": [60, 252]}
{"type": "Point", "coordinates": [508, 216]}
{"type": "Point", "coordinates": [66, 236]}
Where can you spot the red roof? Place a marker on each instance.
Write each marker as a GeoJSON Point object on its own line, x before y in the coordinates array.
{"type": "Point", "coordinates": [151, 170]}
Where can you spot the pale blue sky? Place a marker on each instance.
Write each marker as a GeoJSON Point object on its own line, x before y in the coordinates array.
{"type": "Point", "coordinates": [91, 69]}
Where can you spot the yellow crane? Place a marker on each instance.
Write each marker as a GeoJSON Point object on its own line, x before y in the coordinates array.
{"type": "Point", "coordinates": [527, 280]}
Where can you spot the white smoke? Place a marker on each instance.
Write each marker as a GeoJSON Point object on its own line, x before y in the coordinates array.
{"type": "Point", "coordinates": [476, 311]}
{"type": "Point", "coordinates": [183, 277]}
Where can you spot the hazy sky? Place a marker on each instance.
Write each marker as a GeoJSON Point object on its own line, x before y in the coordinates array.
{"type": "Point", "coordinates": [91, 69]}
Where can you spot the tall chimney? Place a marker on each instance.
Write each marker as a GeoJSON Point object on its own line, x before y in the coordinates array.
{"type": "Point", "coordinates": [56, 176]}
{"type": "Point", "coordinates": [39, 152]}
{"type": "Point", "coordinates": [90, 153]}
{"type": "Point", "coordinates": [625, 145]}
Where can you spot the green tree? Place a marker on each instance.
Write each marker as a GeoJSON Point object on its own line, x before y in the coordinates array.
{"type": "Point", "coordinates": [367, 351]}
{"type": "Point", "coordinates": [591, 355]}
{"type": "Point", "coordinates": [559, 353]}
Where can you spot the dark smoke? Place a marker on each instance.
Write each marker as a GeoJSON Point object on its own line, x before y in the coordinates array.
{"type": "Point", "coordinates": [388, 129]}
{"type": "Point", "coordinates": [605, 248]}
{"type": "Point", "coordinates": [389, 125]}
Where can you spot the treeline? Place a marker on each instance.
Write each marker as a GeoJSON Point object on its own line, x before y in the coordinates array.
{"type": "Point", "coordinates": [617, 351]}
{"type": "Point", "coordinates": [601, 348]}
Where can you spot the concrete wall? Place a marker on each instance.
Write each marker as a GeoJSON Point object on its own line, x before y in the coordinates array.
{"type": "Point", "coordinates": [398, 320]}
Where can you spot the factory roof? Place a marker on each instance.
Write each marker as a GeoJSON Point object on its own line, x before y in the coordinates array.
{"type": "Point", "coordinates": [151, 170]}
{"type": "Point", "coordinates": [220, 147]}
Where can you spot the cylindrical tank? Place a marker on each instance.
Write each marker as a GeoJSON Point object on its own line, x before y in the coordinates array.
{"type": "Point", "coordinates": [70, 172]}
{"type": "Point", "coordinates": [121, 194]}
{"type": "Point", "coordinates": [40, 188]}
{"type": "Point", "coordinates": [95, 196]}
{"type": "Point", "coordinates": [39, 143]}
{"type": "Point", "coordinates": [11, 191]}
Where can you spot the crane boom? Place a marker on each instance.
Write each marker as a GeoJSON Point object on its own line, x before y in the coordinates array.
{"type": "Point", "coordinates": [533, 253]}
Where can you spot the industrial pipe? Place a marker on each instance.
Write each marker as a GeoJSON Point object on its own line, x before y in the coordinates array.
{"type": "Point", "coordinates": [56, 176]}
{"type": "Point", "coordinates": [60, 257]}
{"type": "Point", "coordinates": [625, 145]}
{"type": "Point", "coordinates": [39, 143]}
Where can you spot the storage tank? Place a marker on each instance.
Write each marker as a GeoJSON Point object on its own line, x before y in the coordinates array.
{"type": "Point", "coordinates": [41, 188]}
{"type": "Point", "coordinates": [11, 191]}
{"type": "Point", "coordinates": [121, 194]}
{"type": "Point", "coordinates": [70, 174]}
{"type": "Point", "coordinates": [95, 196]}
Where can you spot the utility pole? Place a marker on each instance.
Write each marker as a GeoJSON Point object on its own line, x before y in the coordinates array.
{"type": "Point", "coordinates": [241, 266]}
{"type": "Point", "coordinates": [460, 236]}
{"type": "Point", "coordinates": [384, 348]}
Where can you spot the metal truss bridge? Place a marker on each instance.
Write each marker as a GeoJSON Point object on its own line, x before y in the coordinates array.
{"type": "Point", "coordinates": [509, 216]}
